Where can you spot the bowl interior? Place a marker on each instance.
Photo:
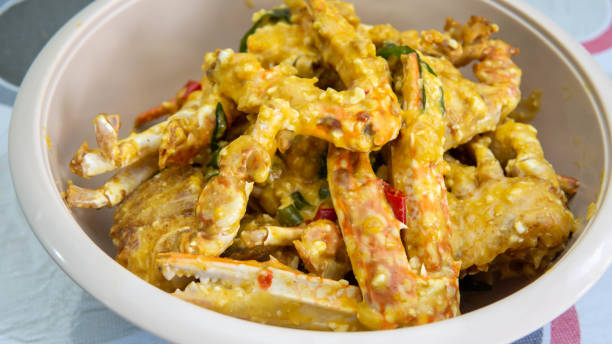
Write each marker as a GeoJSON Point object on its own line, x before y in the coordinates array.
{"type": "Point", "coordinates": [144, 51]}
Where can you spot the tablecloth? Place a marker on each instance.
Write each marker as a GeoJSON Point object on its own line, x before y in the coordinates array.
{"type": "Point", "coordinates": [40, 304]}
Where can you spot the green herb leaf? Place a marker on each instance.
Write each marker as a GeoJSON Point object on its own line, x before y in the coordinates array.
{"type": "Point", "coordinates": [210, 172]}
{"type": "Point", "coordinates": [221, 122]}
{"type": "Point", "coordinates": [442, 106]}
{"type": "Point", "coordinates": [324, 193]}
{"type": "Point", "coordinates": [220, 127]}
{"type": "Point", "coordinates": [289, 216]}
{"type": "Point", "coordinates": [323, 167]}
{"type": "Point", "coordinates": [390, 49]}
{"type": "Point", "coordinates": [424, 95]}
{"type": "Point", "coordinates": [274, 16]}
{"type": "Point", "coordinates": [429, 68]}
{"type": "Point", "coordinates": [299, 201]}
{"type": "Point", "coordinates": [215, 158]}
{"type": "Point", "coordinates": [442, 101]}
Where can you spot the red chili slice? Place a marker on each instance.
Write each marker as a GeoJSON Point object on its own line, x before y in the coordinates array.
{"type": "Point", "coordinates": [326, 214]}
{"type": "Point", "coordinates": [191, 86]}
{"type": "Point", "coordinates": [397, 201]}
{"type": "Point", "coordinates": [161, 110]}
{"type": "Point", "coordinates": [264, 278]}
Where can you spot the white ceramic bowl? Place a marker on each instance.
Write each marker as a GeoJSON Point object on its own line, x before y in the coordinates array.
{"type": "Point", "coordinates": [126, 55]}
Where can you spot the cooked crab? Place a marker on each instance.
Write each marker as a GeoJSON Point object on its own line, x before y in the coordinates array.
{"type": "Point", "coordinates": [158, 208]}
{"type": "Point", "coordinates": [520, 214]}
{"type": "Point", "coordinates": [270, 292]}
{"type": "Point", "coordinates": [257, 184]}
{"type": "Point", "coordinates": [471, 107]}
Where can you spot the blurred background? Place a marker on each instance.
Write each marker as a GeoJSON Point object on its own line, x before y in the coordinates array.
{"type": "Point", "coordinates": [26, 25]}
{"type": "Point", "coordinates": [40, 304]}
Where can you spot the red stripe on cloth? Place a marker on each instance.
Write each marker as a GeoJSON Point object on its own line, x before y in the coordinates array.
{"type": "Point", "coordinates": [601, 42]}
{"type": "Point", "coordinates": [566, 328]}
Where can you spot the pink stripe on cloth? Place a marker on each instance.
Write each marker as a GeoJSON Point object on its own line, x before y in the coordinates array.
{"type": "Point", "coordinates": [600, 43]}
{"type": "Point", "coordinates": [565, 329]}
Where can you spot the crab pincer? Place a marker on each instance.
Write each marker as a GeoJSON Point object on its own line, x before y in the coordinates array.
{"type": "Point", "coordinates": [269, 292]}
{"type": "Point", "coordinates": [362, 118]}
{"type": "Point", "coordinates": [372, 238]}
{"type": "Point", "coordinates": [223, 201]}
{"type": "Point", "coordinates": [416, 160]}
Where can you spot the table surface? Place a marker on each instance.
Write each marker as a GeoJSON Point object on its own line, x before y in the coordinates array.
{"type": "Point", "coordinates": [40, 304]}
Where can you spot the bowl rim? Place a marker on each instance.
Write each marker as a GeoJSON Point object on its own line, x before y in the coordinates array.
{"type": "Point", "coordinates": [145, 305]}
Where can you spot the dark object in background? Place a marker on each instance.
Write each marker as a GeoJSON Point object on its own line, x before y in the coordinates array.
{"type": "Point", "coordinates": [25, 27]}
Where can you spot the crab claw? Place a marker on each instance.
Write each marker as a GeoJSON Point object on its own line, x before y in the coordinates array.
{"type": "Point", "coordinates": [270, 292]}
{"type": "Point", "coordinates": [107, 128]}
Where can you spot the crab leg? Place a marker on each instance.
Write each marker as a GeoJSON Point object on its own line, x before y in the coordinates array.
{"type": "Point", "coordinates": [372, 237]}
{"type": "Point", "coordinates": [362, 118]}
{"type": "Point", "coordinates": [499, 77]}
{"type": "Point", "coordinates": [286, 102]}
{"type": "Point", "coordinates": [520, 140]}
{"type": "Point", "coordinates": [416, 159]}
{"type": "Point", "coordinates": [268, 292]}
{"type": "Point", "coordinates": [185, 136]}
{"type": "Point", "coordinates": [114, 153]}
{"type": "Point", "coordinates": [522, 217]}
{"type": "Point", "coordinates": [472, 107]}
{"type": "Point", "coordinates": [168, 107]}
{"type": "Point", "coordinates": [488, 167]}
{"type": "Point", "coordinates": [176, 140]}
{"type": "Point", "coordinates": [322, 250]}
{"type": "Point", "coordinates": [115, 189]}
{"type": "Point", "coordinates": [318, 243]}
{"type": "Point", "coordinates": [507, 215]}
{"type": "Point", "coordinates": [271, 236]}
{"type": "Point", "coordinates": [223, 200]}
{"type": "Point", "coordinates": [349, 119]}
{"type": "Point", "coordinates": [569, 185]}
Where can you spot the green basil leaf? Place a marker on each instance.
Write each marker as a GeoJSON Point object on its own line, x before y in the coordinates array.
{"type": "Point", "coordinates": [299, 201]}
{"type": "Point", "coordinates": [390, 49]}
{"type": "Point", "coordinates": [324, 193]}
{"type": "Point", "coordinates": [215, 158]}
{"type": "Point", "coordinates": [424, 95]}
{"type": "Point", "coordinates": [210, 172]}
{"type": "Point", "coordinates": [220, 126]}
{"type": "Point", "coordinates": [323, 167]}
{"type": "Point", "coordinates": [429, 68]}
{"type": "Point", "coordinates": [274, 16]}
{"type": "Point", "coordinates": [289, 216]}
